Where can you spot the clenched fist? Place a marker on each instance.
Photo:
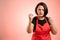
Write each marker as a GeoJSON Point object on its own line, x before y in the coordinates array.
{"type": "Point", "coordinates": [30, 17]}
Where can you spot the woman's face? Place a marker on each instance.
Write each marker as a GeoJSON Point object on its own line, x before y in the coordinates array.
{"type": "Point", "coordinates": [40, 11]}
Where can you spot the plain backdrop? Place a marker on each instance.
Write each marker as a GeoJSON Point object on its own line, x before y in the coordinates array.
{"type": "Point", "coordinates": [14, 18]}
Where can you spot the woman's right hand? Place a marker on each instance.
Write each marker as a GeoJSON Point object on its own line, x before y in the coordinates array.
{"type": "Point", "coordinates": [30, 25]}
{"type": "Point", "coordinates": [30, 17]}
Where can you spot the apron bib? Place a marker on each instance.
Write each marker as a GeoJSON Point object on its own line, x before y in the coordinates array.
{"type": "Point", "coordinates": [41, 32]}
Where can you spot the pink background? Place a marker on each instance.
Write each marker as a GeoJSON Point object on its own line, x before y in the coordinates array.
{"type": "Point", "coordinates": [14, 18]}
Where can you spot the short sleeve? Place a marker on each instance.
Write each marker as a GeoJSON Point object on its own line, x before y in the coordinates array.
{"type": "Point", "coordinates": [34, 20]}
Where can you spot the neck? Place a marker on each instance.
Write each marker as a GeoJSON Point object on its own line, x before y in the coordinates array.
{"type": "Point", "coordinates": [41, 18]}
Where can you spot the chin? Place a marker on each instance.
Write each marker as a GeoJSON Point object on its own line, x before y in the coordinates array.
{"type": "Point", "coordinates": [40, 15]}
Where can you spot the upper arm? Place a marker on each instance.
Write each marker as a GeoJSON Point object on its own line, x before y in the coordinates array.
{"type": "Point", "coordinates": [34, 20]}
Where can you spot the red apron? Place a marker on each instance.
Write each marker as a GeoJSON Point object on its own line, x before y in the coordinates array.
{"type": "Point", "coordinates": [41, 32]}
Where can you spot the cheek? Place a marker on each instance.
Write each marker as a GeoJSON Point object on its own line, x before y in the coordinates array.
{"type": "Point", "coordinates": [43, 12]}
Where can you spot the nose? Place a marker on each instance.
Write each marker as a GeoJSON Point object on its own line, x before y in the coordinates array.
{"type": "Point", "coordinates": [41, 11]}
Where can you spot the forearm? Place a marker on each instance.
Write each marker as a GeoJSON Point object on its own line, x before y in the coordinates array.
{"type": "Point", "coordinates": [53, 28]}
{"type": "Point", "coordinates": [30, 27]}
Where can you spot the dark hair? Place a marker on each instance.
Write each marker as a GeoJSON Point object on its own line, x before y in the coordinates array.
{"type": "Point", "coordinates": [45, 8]}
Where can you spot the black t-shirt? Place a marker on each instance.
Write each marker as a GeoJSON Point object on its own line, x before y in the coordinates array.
{"type": "Point", "coordinates": [41, 22]}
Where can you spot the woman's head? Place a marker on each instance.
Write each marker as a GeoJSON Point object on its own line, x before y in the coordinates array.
{"type": "Point", "coordinates": [41, 9]}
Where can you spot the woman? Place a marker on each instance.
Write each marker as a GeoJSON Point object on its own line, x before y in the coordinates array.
{"type": "Point", "coordinates": [41, 25]}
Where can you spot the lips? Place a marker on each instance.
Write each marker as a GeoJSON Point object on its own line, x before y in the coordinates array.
{"type": "Point", "coordinates": [40, 13]}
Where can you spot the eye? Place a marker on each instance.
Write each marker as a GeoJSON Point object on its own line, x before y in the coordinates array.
{"type": "Point", "coordinates": [39, 9]}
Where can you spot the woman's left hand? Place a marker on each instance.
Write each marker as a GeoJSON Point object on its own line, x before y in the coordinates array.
{"type": "Point", "coordinates": [50, 20]}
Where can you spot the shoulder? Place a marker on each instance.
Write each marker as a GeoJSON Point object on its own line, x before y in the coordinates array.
{"type": "Point", "coordinates": [34, 18]}
{"type": "Point", "coordinates": [50, 19]}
